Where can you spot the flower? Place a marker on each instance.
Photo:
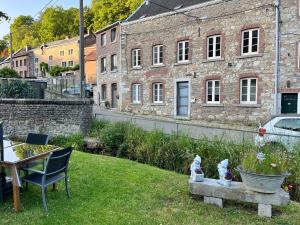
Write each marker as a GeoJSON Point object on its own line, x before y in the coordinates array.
{"type": "Point", "coordinates": [198, 171]}
{"type": "Point", "coordinates": [260, 156]}
{"type": "Point", "coordinates": [229, 175]}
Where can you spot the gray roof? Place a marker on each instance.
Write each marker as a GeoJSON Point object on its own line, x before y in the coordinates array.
{"type": "Point", "coordinates": [156, 7]}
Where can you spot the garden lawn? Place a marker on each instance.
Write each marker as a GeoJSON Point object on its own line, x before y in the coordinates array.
{"type": "Point", "coordinates": [108, 190]}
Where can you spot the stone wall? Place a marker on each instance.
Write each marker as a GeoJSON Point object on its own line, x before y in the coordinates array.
{"type": "Point", "coordinates": [170, 28]}
{"type": "Point", "coordinates": [53, 117]}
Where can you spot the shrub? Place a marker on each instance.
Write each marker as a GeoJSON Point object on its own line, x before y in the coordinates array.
{"type": "Point", "coordinates": [17, 89]}
{"type": "Point", "coordinates": [8, 73]}
{"type": "Point", "coordinates": [75, 140]}
{"type": "Point", "coordinates": [113, 136]}
{"type": "Point", "coordinates": [96, 128]}
{"type": "Point", "coordinates": [134, 137]}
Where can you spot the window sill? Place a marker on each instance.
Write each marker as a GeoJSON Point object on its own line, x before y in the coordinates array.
{"type": "Point", "coordinates": [213, 60]}
{"type": "Point", "coordinates": [182, 63]}
{"type": "Point", "coordinates": [250, 56]}
{"type": "Point", "coordinates": [114, 71]}
{"type": "Point", "coordinates": [249, 105]}
{"type": "Point", "coordinates": [212, 105]}
{"type": "Point", "coordinates": [135, 103]}
{"type": "Point", "coordinates": [158, 104]}
{"type": "Point", "coordinates": [136, 68]}
{"type": "Point", "coordinates": [103, 73]}
{"type": "Point", "coordinates": [158, 66]}
{"type": "Point", "coordinates": [182, 117]}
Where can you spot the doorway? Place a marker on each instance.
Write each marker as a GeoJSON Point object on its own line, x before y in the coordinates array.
{"type": "Point", "coordinates": [289, 103]}
{"type": "Point", "coordinates": [114, 95]}
{"type": "Point", "coordinates": [182, 99]}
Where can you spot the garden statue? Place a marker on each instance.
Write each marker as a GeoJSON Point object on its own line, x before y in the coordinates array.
{"type": "Point", "coordinates": [197, 174]}
{"type": "Point", "coordinates": [222, 169]}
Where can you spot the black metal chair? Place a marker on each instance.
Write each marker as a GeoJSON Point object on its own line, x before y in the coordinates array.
{"type": "Point", "coordinates": [35, 139]}
{"type": "Point", "coordinates": [56, 169]}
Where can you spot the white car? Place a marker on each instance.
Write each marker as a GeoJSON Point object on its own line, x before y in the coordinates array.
{"type": "Point", "coordinates": [281, 130]}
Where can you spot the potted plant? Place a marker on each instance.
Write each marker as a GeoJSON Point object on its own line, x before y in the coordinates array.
{"type": "Point", "coordinates": [228, 178]}
{"type": "Point", "coordinates": [198, 176]}
{"type": "Point", "coordinates": [264, 171]}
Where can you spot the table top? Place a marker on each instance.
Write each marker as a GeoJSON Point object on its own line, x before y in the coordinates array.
{"type": "Point", "coordinates": [21, 152]}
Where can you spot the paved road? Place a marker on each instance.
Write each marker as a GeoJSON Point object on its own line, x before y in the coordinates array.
{"type": "Point", "coordinates": [170, 126]}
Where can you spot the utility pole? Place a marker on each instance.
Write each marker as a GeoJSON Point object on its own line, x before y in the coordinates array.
{"type": "Point", "coordinates": [277, 56]}
{"type": "Point", "coordinates": [11, 51]}
{"type": "Point", "coordinates": [81, 52]}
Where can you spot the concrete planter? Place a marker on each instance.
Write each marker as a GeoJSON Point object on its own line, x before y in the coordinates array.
{"type": "Point", "coordinates": [262, 183]}
{"type": "Point", "coordinates": [198, 177]}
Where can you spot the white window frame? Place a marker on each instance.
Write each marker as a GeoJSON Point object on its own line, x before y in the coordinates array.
{"type": "Point", "coordinates": [214, 37]}
{"type": "Point", "coordinates": [248, 101]}
{"type": "Point", "coordinates": [114, 61]}
{"type": "Point", "coordinates": [213, 92]}
{"type": "Point", "coordinates": [103, 39]}
{"type": "Point", "coordinates": [64, 64]}
{"type": "Point", "coordinates": [36, 60]}
{"type": "Point", "coordinates": [250, 41]}
{"type": "Point", "coordinates": [111, 31]}
{"type": "Point", "coordinates": [70, 63]}
{"type": "Point", "coordinates": [136, 99]}
{"type": "Point", "coordinates": [160, 88]}
{"type": "Point", "coordinates": [298, 60]}
{"type": "Point", "coordinates": [156, 51]}
{"type": "Point", "coordinates": [136, 53]}
{"type": "Point", "coordinates": [62, 53]}
{"type": "Point", "coordinates": [103, 67]}
{"type": "Point", "coordinates": [184, 51]}
{"type": "Point", "coordinates": [50, 57]}
{"type": "Point", "coordinates": [71, 51]}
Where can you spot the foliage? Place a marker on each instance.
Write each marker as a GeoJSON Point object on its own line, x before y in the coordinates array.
{"type": "Point", "coordinates": [75, 140]}
{"type": "Point", "coordinates": [8, 73]}
{"type": "Point", "coordinates": [96, 127]}
{"type": "Point", "coordinates": [57, 70]}
{"type": "Point", "coordinates": [110, 11]}
{"type": "Point", "coordinates": [17, 89]}
{"type": "Point", "coordinates": [44, 67]}
{"type": "Point", "coordinates": [110, 191]}
{"type": "Point", "coordinates": [266, 162]}
{"type": "Point", "coordinates": [3, 16]}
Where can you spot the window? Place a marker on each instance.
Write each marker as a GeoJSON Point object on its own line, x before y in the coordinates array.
{"type": "Point", "coordinates": [25, 73]}
{"type": "Point", "coordinates": [36, 70]}
{"type": "Point", "coordinates": [61, 53]}
{"type": "Point", "coordinates": [113, 34]}
{"type": "Point", "coordinates": [158, 55]}
{"type": "Point", "coordinates": [36, 60]}
{"type": "Point", "coordinates": [103, 92]}
{"type": "Point", "coordinates": [103, 39]}
{"type": "Point", "coordinates": [70, 51]}
{"type": "Point", "coordinates": [214, 47]}
{"type": "Point", "coordinates": [249, 91]}
{"type": "Point", "coordinates": [17, 63]}
{"type": "Point", "coordinates": [21, 63]}
{"type": "Point", "coordinates": [21, 73]}
{"type": "Point", "coordinates": [136, 58]}
{"type": "Point", "coordinates": [64, 64]}
{"type": "Point", "coordinates": [103, 64]}
{"type": "Point", "coordinates": [114, 63]}
{"type": "Point", "coordinates": [289, 124]}
{"type": "Point", "coordinates": [299, 51]}
{"type": "Point", "coordinates": [250, 42]}
{"type": "Point", "coordinates": [213, 91]}
{"type": "Point", "coordinates": [25, 62]}
{"type": "Point", "coordinates": [157, 89]}
{"type": "Point", "coordinates": [136, 93]}
{"type": "Point", "coordinates": [50, 58]}
{"type": "Point", "coordinates": [70, 63]}
{"type": "Point", "coordinates": [183, 52]}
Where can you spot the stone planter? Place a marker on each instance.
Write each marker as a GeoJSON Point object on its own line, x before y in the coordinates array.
{"type": "Point", "coordinates": [198, 177]}
{"type": "Point", "coordinates": [227, 183]}
{"type": "Point", "coordinates": [261, 183]}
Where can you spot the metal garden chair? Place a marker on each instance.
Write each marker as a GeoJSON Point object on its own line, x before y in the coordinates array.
{"type": "Point", "coordinates": [56, 168]}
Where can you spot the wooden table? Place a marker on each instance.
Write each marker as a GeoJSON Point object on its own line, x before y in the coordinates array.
{"type": "Point", "coordinates": [18, 156]}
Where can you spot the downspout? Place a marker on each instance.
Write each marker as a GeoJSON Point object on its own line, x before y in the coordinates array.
{"type": "Point", "coordinates": [277, 55]}
{"type": "Point", "coordinates": [120, 74]}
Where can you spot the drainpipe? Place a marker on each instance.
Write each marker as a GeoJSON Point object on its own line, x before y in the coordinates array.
{"type": "Point", "coordinates": [277, 55]}
{"type": "Point", "coordinates": [120, 73]}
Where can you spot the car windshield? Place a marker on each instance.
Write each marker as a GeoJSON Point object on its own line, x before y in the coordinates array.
{"type": "Point", "coordinates": [292, 124]}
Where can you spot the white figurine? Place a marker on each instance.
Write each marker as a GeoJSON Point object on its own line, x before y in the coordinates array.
{"type": "Point", "coordinates": [196, 171]}
{"type": "Point", "coordinates": [222, 169]}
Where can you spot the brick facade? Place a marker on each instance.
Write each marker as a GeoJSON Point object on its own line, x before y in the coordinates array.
{"type": "Point", "coordinates": [227, 19]}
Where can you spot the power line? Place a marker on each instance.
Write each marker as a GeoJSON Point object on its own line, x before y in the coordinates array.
{"type": "Point", "coordinates": [45, 6]}
{"type": "Point", "coordinates": [199, 18]}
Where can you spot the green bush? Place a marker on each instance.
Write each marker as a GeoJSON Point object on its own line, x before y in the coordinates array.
{"type": "Point", "coordinates": [75, 140]}
{"type": "Point", "coordinates": [96, 128]}
{"type": "Point", "coordinates": [17, 89]}
{"type": "Point", "coordinates": [8, 73]}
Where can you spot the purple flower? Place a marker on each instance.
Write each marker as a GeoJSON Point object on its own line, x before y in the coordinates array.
{"type": "Point", "coordinates": [198, 171]}
{"type": "Point", "coordinates": [229, 175]}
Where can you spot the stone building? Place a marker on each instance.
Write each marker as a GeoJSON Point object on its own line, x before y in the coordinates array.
{"type": "Point", "coordinates": [90, 64]}
{"type": "Point", "coordinates": [209, 60]}
{"type": "Point", "coordinates": [108, 66]}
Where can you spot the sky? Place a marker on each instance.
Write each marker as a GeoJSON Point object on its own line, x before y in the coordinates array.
{"type": "Point", "coordinates": [14, 8]}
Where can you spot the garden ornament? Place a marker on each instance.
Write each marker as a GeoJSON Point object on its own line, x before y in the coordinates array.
{"type": "Point", "coordinates": [196, 165]}
{"type": "Point", "coordinates": [222, 169]}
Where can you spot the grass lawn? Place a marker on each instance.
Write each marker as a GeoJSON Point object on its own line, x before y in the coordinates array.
{"type": "Point", "coordinates": [114, 191]}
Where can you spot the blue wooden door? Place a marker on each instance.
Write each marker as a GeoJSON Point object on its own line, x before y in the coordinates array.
{"type": "Point", "coordinates": [182, 98]}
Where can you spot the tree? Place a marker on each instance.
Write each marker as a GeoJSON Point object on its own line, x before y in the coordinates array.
{"type": "Point", "coordinates": [3, 16]}
{"type": "Point", "coordinates": [110, 11]}
{"type": "Point", "coordinates": [8, 73]}
{"type": "Point", "coordinates": [17, 89]}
